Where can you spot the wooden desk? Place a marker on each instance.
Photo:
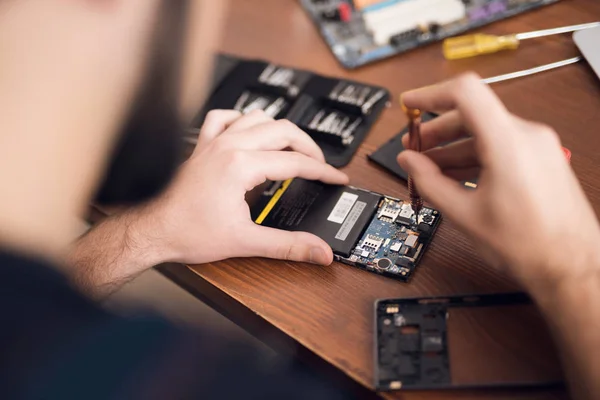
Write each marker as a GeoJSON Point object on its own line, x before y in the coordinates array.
{"type": "Point", "coordinates": [326, 314]}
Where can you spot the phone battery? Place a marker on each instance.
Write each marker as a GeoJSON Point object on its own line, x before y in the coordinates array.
{"type": "Point", "coordinates": [337, 214]}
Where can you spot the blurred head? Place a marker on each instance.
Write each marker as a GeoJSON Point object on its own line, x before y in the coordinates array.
{"type": "Point", "coordinates": [97, 91]}
{"type": "Point", "coordinates": [93, 96]}
{"type": "Point", "coordinates": [171, 88]}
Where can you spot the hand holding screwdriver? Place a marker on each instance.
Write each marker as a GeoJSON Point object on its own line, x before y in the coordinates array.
{"type": "Point", "coordinates": [522, 177]}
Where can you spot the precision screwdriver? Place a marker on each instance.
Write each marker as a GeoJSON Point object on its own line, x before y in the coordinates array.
{"type": "Point", "coordinates": [478, 44]}
{"type": "Point", "coordinates": [414, 140]}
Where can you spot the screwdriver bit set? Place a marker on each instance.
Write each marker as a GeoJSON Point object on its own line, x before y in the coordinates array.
{"type": "Point", "coordinates": [272, 106]}
{"type": "Point", "coordinates": [364, 97]}
{"type": "Point", "coordinates": [336, 118]}
{"type": "Point", "coordinates": [337, 114]}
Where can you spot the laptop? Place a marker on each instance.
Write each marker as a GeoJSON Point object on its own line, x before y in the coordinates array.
{"type": "Point", "coordinates": [588, 41]}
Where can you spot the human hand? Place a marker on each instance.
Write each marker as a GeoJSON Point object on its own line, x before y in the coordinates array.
{"type": "Point", "coordinates": [528, 213]}
{"type": "Point", "coordinates": [203, 216]}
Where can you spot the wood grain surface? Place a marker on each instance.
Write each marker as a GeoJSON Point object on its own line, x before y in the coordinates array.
{"type": "Point", "coordinates": [324, 314]}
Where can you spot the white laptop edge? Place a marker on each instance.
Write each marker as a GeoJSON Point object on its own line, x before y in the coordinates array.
{"type": "Point", "coordinates": [588, 41]}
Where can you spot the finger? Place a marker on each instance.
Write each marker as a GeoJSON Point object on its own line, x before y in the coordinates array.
{"type": "Point", "coordinates": [250, 120]}
{"type": "Point", "coordinates": [483, 113]}
{"type": "Point", "coordinates": [277, 135]}
{"type": "Point", "coordinates": [215, 123]}
{"type": "Point", "coordinates": [260, 241]}
{"type": "Point", "coordinates": [447, 127]}
{"type": "Point", "coordinates": [461, 154]}
{"type": "Point", "coordinates": [463, 174]}
{"type": "Point", "coordinates": [444, 193]}
{"type": "Point", "coordinates": [282, 165]}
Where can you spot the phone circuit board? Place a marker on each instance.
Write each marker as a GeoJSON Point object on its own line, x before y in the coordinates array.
{"type": "Point", "coordinates": [363, 31]}
{"type": "Point", "coordinates": [394, 242]}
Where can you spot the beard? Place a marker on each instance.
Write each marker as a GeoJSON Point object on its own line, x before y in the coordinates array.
{"type": "Point", "coordinates": [150, 146]}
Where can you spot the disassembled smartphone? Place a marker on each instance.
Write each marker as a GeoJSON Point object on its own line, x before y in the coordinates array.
{"type": "Point", "coordinates": [452, 342]}
{"type": "Point", "coordinates": [367, 230]}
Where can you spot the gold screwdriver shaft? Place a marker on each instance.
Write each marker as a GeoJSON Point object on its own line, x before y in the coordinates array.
{"type": "Point", "coordinates": [414, 140]}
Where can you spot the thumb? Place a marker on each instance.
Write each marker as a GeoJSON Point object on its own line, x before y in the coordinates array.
{"type": "Point", "coordinates": [261, 241]}
{"type": "Point", "coordinates": [444, 193]}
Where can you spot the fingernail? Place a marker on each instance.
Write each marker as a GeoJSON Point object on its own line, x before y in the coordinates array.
{"type": "Point", "coordinates": [401, 100]}
{"type": "Point", "coordinates": [317, 256]}
{"type": "Point", "coordinates": [410, 92]}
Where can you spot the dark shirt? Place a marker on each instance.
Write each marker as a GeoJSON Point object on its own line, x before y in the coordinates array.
{"type": "Point", "coordinates": [57, 344]}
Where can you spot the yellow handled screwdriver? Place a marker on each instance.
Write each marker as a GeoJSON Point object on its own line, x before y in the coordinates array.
{"type": "Point", "coordinates": [477, 44]}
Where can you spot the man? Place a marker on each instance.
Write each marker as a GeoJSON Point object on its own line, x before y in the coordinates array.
{"type": "Point", "coordinates": [91, 108]}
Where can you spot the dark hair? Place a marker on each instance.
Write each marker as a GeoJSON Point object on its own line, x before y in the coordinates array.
{"type": "Point", "coordinates": [150, 146]}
